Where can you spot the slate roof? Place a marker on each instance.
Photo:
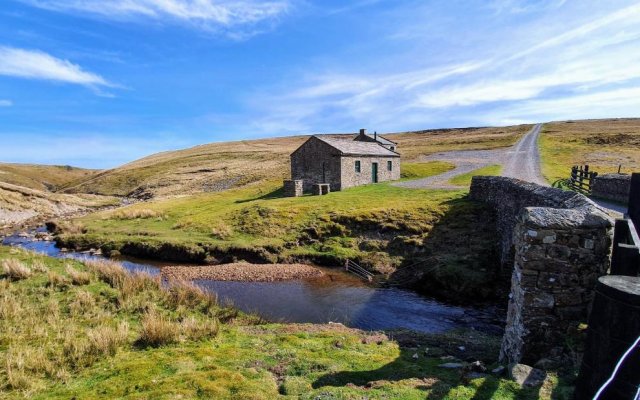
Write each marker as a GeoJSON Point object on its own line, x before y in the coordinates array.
{"type": "Point", "coordinates": [351, 147]}
{"type": "Point", "coordinates": [379, 138]}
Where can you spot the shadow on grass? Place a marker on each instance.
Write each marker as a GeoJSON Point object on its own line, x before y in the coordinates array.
{"type": "Point", "coordinates": [275, 194]}
{"type": "Point", "coordinates": [438, 383]}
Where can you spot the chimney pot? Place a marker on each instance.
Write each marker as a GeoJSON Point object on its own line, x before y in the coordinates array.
{"type": "Point", "coordinates": [363, 131]}
{"type": "Point", "coordinates": [375, 135]}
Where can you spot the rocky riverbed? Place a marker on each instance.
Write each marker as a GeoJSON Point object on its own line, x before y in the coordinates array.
{"type": "Point", "coordinates": [245, 272]}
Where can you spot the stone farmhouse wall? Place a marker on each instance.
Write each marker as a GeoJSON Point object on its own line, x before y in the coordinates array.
{"type": "Point", "coordinates": [559, 244]}
{"type": "Point", "coordinates": [352, 178]}
{"type": "Point", "coordinates": [614, 187]}
{"type": "Point", "coordinates": [307, 164]}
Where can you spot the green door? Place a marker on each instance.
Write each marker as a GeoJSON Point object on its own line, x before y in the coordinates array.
{"type": "Point", "coordinates": [374, 172]}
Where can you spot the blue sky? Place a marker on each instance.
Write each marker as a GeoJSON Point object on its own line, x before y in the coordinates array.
{"type": "Point", "coordinates": [98, 83]}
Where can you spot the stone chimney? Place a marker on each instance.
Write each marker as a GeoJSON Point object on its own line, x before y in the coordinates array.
{"type": "Point", "coordinates": [363, 132]}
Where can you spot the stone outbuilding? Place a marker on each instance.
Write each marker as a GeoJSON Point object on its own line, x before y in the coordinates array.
{"type": "Point", "coordinates": [345, 161]}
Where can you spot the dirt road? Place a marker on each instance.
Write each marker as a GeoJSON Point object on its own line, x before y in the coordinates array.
{"type": "Point", "coordinates": [520, 161]}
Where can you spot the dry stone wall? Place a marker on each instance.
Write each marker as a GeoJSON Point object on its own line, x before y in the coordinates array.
{"type": "Point", "coordinates": [614, 187]}
{"type": "Point", "coordinates": [558, 243]}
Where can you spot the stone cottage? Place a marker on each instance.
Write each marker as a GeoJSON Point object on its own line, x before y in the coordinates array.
{"type": "Point", "coordinates": [344, 162]}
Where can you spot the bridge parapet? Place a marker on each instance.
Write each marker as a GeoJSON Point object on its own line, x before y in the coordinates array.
{"type": "Point", "coordinates": [558, 244]}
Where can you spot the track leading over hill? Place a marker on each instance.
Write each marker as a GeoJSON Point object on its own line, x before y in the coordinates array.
{"type": "Point", "coordinates": [521, 161]}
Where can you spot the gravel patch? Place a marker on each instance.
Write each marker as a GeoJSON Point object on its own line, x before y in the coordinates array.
{"type": "Point", "coordinates": [243, 272]}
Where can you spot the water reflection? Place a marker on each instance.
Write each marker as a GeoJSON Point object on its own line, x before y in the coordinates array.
{"type": "Point", "coordinates": [335, 297]}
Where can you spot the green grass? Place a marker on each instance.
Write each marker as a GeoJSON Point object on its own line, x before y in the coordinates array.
{"type": "Point", "coordinates": [381, 227]}
{"type": "Point", "coordinates": [259, 217]}
{"type": "Point", "coordinates": [465, 179]}
{"type": "Point", "coordinates": [46, 329]}
{"type": "Point", "coordinates": [425, 169]}
{"type": "Point", "coordinates": [604, 145]}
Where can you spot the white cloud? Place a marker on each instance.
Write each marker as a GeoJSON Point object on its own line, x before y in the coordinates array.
{"type": "Point", "coordinates": [204, 13]}
{"type": "Point", "coordinates": [586, 59]}
{"type": "Point", "coordinates": [34, 64]}
{"type": "Point", "coordinates": [602, 104]}
{"type": "Point", "coordinates": [523, 6]}
{"type": "Point", "coordinates": [6, 103]}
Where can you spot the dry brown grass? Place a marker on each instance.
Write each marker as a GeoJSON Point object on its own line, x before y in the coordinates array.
{"type": "Point", "coordinates": [83, 303]}
{"type": "Point", "coordinates": [55, 280]}
{"type": "Point", "coordinates": [78, 278]}
{"type": "Point", "coordinates": [39, 266]}
{"type": "Point", "coordinates": [106, 339]}
{"type": "Point", "coordinates": [412, 145]}
{"type": "Point", "coordinates": [15, 269]}
{"type": "Point", "coordinates": [220, 166]}
{"type": "Point", "coordinates": [42, 177]}
{"type": "Point", "coordinates": [192, 329]}
{"type": "Point", "coordinates": [602, 144]}
{"type": "Point", "coordinates": [10, 307]}
{"type": "Point", "coordinates": [192, 297]}
{"type": "Point", "coordinates": [110, 272]}
{"type": "Point", "coordinates": [135, 213]}
{"type": "Point", "coordinates": [158, 331]}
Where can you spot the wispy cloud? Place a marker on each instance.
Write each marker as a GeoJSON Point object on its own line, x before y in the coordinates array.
{"type": "Point", "coordinates": [5, 103]}
{"type": "Point", "coordinates": [589, 61]}
{"type": "Point", "coordinates": [35, 64]}
{"type": "Point", "coordinates": [523, 6]}
{"type": "Point", "coordinates": [207, 14]}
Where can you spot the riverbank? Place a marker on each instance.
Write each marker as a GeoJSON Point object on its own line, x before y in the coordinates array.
{"type": "Point", "coordinates": [243, 272]}
{"type": "Point", "coordinates": [446, 238]}
{"type": "Point", "coordinates": [88, 330]}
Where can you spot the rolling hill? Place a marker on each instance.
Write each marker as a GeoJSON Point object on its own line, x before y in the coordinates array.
{"type": "Point", "coordinates": [42, 177]}
{"type": "Point", "coordinates": [219, 166]}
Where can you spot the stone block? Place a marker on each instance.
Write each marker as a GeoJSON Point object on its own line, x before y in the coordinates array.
{"type": "Point", "coordinates": [293, 188]}
{"type": "Point", "coordinates": [320, 189]}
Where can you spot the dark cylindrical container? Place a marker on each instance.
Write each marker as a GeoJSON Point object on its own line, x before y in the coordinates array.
{"type": "Point", "coordinates": [614, 326]}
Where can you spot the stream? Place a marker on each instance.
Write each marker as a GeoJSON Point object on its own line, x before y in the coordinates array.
{"type": "Point", "coordinates": [335, 297]}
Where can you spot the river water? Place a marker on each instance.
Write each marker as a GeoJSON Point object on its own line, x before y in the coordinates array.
{"type": "Point", "coordinates": [335, 297]}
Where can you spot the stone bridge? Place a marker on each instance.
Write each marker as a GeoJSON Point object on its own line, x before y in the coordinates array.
{"type": "Point", "coordinates": [558, 243]}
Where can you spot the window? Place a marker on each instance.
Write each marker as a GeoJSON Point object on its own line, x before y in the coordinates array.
{"type": "Point", "coordinates": [389, 165]}
{"type": "Point", "coordinates": [358, 166]}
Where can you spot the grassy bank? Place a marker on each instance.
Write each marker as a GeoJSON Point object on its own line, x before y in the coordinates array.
{"type": "Point", "coordinates": [602, 144]}
{"type": "Point", "coordinates": [381, 227]}
{"type": "Point", "coordinates": [419, 170]}
{"type": "Point", "coordinates": [90, 331]}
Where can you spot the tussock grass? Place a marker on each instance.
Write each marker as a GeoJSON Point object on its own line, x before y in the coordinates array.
{"type": "Point", "coordinates": [15, 269]}
{"type": "Point", "coordinates": [157, 330]}
{"type": "Point", "coordinates": [194, 329]}
{"type": "Point", "coordinates": [110, 272]}
{"type": "Point", "coordinates": [39, 266]}
{"type": "Point", "coordinates": [187, 295]}
{"type": "Point", "coordinates": [77, 277]}
{"type": "Point", "coordinates": [56, 280]}
{"type": "Point", "coordinates": [105, 340]}
{"type": "Point", "coordinates": [79, 343]}
{"type": "Point", "coordinates": [136, 213]}
{"type": "Point", "coordinates": [84, 302]}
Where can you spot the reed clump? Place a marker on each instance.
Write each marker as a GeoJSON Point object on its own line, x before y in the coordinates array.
{"type": "Point", "coordinates": [15, 269]}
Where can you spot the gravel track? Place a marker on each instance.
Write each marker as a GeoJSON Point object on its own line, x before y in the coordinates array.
{"type": "Point", "coordinates": [520, 161]}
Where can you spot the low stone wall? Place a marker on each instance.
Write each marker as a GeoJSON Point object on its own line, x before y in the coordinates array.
{"type": "Point", "coordinates": [614, 187]}
{"type": "Point", "coordinates": [558, 243]}
{"type": "Point", "coordinates": [293, 188]}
